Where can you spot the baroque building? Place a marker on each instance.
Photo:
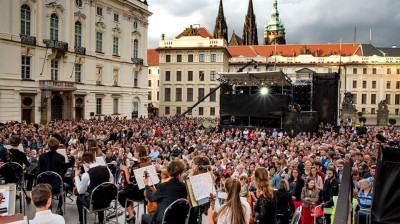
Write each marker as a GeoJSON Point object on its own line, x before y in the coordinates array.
{"type": "Point", "coordinates": [250, 36]}
{"type": "Point", "coordinates": [221, 29]}
{"type": "Point", "coordinates": [73, 59]}
{"type": "Point", "coordinates": [274, 31]}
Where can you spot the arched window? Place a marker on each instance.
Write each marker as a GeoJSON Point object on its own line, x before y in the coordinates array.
{"type": "Point", "coordinates": [136, 49]}
{"type": "Point", "coordinates": [78, 3]}
{"type": "Point", "coordinates": [53, 27]}
{"type": "Point", "coordinates": [25, 20]}
{"type": "Point", "coordinates": [135, 25]}
{"type": "Point", "coordinates": [78, 34]}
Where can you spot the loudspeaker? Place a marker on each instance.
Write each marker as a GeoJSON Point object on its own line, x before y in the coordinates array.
{"type": "Point", "coordinates": [325, 97]}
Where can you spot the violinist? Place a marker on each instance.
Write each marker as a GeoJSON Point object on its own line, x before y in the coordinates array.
{"type": "Point", "coordinates": [166, 192]}
{"type": "Point", "coordinates": [131, 190]}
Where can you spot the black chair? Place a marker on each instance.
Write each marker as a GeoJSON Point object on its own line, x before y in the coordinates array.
{"type": "Point", "coordinates": [177, 212]}
{"type": "Point", "coordinates": [13, 173]}
{"type": "Point", "coordinates": [56, 182]}
{"type": "Point", "coordinates": [101, 198]}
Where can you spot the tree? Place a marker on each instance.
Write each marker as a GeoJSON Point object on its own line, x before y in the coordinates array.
{"type": "Point", "coordinates": [362, 119]}
{"type": "Point", "coordinates": [392, 121]}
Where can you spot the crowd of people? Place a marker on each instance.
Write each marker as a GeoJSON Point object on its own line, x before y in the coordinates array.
{"type": "Point", "coordinates": [277, 171]}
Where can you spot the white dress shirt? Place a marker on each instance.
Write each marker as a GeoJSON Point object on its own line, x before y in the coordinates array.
{"type": "Point", "coordinates": [47, 217]}
{"type": "Point", "coordinates": [82, 185]}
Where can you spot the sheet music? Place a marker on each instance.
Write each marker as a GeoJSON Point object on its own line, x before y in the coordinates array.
{"type": "Point", "coordinates": [139, 174]}
{"type": "Point", "coordinates": [202, 185]}
{"type": "Point", "coordinates": [64, 153]}
{"type": "Point", "coordinates": [4, 205]}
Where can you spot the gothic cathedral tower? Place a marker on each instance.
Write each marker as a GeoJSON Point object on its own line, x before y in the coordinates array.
{"type": "Point", "coordinates": [274, 31]}
{"type": "Point", "coordinates": [250, 27]}
{"type": "Point", "coordinates": [221, 29]}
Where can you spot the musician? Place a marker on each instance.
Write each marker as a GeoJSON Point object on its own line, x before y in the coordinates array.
{"type": "Point", "coordinates": [53, 161]}
{"type": "Point", "coordinates": [230, 212]}
{"type": "Point", "coordinates": [95, 176]}
{"type": "Point", "coordinates": [14, 154]}
{"type": "Point", "coordinates": [131, 190]}
{"type": "Point", "coordinates": [166, 192]}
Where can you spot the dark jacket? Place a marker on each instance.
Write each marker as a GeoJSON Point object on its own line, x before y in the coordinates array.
{"type": "Point", "coordinates": [285, 203]}
{"type": "Point", "coordinates": [331, 188]}
{"type": "Point", "coordinates": [165, 194]}
{"type": "Point", "coordinates": [299, 188]}
{"type": "Point", "coordinates": [52, 161]}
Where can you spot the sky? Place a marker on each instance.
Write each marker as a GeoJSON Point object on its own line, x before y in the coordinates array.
{"type": "Point", "coordinates": [306, 21]}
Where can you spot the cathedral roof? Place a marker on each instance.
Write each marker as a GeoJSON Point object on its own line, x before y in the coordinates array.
{"type": "Point", "coordinates": [192, 31]}
{"type": "Point", "coordinates": [235, 40]}
{"type": "Point", "coordinates": [152, 57]}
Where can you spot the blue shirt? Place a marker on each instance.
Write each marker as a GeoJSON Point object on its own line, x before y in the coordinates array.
{"type": "Point", "coordinates": [365, 201]}
{"type": "Point", "coordinates": [154, 155]}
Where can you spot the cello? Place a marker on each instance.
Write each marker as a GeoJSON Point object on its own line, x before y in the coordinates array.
{"type": "Point", "coordinates": [151, 206]}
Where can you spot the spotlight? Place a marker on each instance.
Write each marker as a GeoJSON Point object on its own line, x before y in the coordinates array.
{"type": "Point", "coordinates": [264, 91]}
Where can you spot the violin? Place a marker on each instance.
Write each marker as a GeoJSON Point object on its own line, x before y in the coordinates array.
{"type": "Point", "coordinates": [212, 205]}
{"type": "Point", "coordinates": [151, 206]}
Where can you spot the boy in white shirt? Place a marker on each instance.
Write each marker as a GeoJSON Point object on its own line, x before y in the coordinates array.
{"type": "Point", "coordinates": [41, 197]}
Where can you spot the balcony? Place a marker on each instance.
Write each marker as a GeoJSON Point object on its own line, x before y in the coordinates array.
{"type": "Point", "coordinates": [137, 61]}
{"type": "Point", "coordinates": [80, 50]}
{"type": "Point", "coordinates": [26, 39]}
{"type": "Point", "coordinates": [55, 44]}
{"type": "Point", "coordinates": [52, 85]}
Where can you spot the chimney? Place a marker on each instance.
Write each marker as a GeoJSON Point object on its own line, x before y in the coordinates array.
{"type": "Point", "coordinates": [162, 36]}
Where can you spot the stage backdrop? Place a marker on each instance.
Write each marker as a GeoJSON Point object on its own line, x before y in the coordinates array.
{"type": "Point", "coordinates": [325, 97]}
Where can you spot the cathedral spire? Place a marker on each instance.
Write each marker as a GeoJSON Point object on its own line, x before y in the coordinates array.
{"type": "Point", "coordinates": [250, 27]}
{"type": "Point", "coordinates": [221, 29]}
{"type": "Point", "coordinates": [274, 31]}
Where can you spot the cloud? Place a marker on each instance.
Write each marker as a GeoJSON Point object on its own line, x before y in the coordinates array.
{"type": "Point", "coordinates": [306, 21]}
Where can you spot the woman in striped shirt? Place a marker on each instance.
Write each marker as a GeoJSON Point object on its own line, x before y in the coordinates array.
{"type": "Point", "coordinates": [365, 201]}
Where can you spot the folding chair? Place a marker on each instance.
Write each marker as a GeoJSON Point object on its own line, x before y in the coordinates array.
{"type": "Point", "coordinates": [56, 182]}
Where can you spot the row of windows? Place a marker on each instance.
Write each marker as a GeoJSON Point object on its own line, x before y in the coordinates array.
{"type": "Point", "coordinates": [190, 58]}
{"type": "Point", "coordinates": [99, 106]}
{"type": "Point", "coordinates": [179, 111]}
{"type": "Point", "coordinates": [201, 76]}
{"type": "Point", "coordinates": [373, 99]}
{"type": "Point", "coordinates": [150, 98]}
{"type": "Point", "coordinates": [189, 94]}
{"type": "Point", "coordinates": [158, 83]}
{"type": "Point", "coordinates": [373, 111]}
{"type": "Point", "coordinates": [374, 71]}
{"type": "Point", "coordinates": [373, 84]}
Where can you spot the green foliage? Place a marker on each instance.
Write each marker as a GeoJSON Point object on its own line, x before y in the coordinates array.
{"type": "Point", "coordinates": [360, 113]}
{"type": "Point", "coordinates": [392, 121]}
{"type": "Point", "coordinates": [362, 119]}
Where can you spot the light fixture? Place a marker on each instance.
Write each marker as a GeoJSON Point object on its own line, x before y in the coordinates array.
{"type": "Point", "coordinates": [264, 91]}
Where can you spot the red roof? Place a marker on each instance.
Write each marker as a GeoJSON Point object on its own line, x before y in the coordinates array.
{"type": "Point", "coordinates": [152, 57]}
{"type": "Point", "coordinates": [318, 50]}
{"type": "Point", "coordinates": [203, 32]}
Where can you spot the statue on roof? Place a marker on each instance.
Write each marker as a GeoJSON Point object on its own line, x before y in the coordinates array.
{"type": "Point", "coordinates": [191, 31]}
{"type": "Point", "coordinates": [382, 105]}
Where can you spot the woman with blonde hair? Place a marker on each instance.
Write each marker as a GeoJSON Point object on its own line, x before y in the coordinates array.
{"type": "Point", "coordinates": [265, 208]}
{"type": "Point", "coordinates": [230, 212]}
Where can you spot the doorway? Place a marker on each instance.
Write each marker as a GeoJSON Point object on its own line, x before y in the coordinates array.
{"type": "Point", "coordinates": [56, 108]}
{"type": "Point", "coordinates": [27, 115]}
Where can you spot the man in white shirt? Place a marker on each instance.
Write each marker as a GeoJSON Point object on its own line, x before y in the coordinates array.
{"type": "Point", "coordinates": [41, 197]}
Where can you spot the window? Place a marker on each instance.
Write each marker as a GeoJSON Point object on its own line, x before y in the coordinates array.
{"type": "Point", "coordinates": [135, 25]}
{"type": "Point", "coordinates": [354, 70]}
{"type": "Point", "coordinates": [398, 71]}
{"type": "Point", "coordinates": [158, 83]}
{"type": "Point", "coordinates": [158, 95]}
{"type": "Point", "coordinates": [397, 99]}
{"type": "Point", "coordinates": [25, 67]}
{"type": "Point", "coordinates": [167, 58]}
{"type": "Point", "coordinates": [178, 94]}
{"type": "Point", "coordinates": [373, 84]}
{"type": "Point", "coordinates": [212, 111]}
{"type": "Point", "coordinates": [363, 98]}
{"type": "Point", "coordinates": [389, 71]}
{"type": "Point", "coordinates": [167, 110]}
{"type": "Point", "coordinates": [396, 111]}
{"type": "Point", "coordinates": [190, 76]}
{"type": "Point", "coordinates": [201, 75]}
{"type": "Point", "coordinates": [25, 20]}
{"type": "Point", "coordinates": [329, 70]}
{"type": "Point", "coordinates": [388, 98]}
{"type": "Point", "coordinates": [135, 48]}
{"type": "Point", "coordinates": [373, 98]}
{"type": "Point", "coordinates": [364, 84]}
{"type": "Point", "coordinates": [99, 11]}
{"type": "Point", "coordinates": [372, 110]}
{"type": "Point", "coordinates": [99, 75]}
{"type": "Point", "coordinates": [78, 3]}
{"type": "Point", "coordinates": [190, 58]}
{"type": "Point", "coordinates": [178, 110]}
{"type": "Point", "coordinates": [397, 84]}
{"type": "Point", "coordinates": [167, 75]}
{"type": "Point", "coordinates": [363, 110]}
{"type": "Point", "coordinates": [388, 85]}
{"type": "Point", "coordinates": [364, 71]}
{"type": "Point", "coordinates": [201, 111]}
{"type": "Point", "coordinates": [190, 94]}
{"type": "Point", "coordinates": [354, 84]}
{"type": "Point", "coordinates": [213, 96]}
{"type": "Point", "coordinates": [179, 58]}
{"type": "Point", "coordinates": [53, 27]}
{"type": "Point", "coordinates": [178, 76]}
{"type": "Point", "coordinates": [374, 71]}
{"type": "Point", "coordinates": [213, 75]}
{"type": "Point", "coordinates": [99, 42]}
{"type": "Point", "coordinates": [78, 34]}
{"type": "Point", "coordinates": [201, 57]}
{"type": "Point", "coordinates": [136, 79]}
{"type": "Point", "coordinates": [115, 106]}
{"type": "Point", "coordinates": [115, 46]}
{"type": "Point", "coordinates": [149, 95]}
{"type": "Point", "coordinates": [98, 105]}
{"type": "Point", "coordinates": [213, 57]}
{"type": "Point", "coordinates": [54, 70]}
{"type": "Point", "coordinates": [167, 96]}
{"type": "Point", "coordinates": [149, 71]}
{"type": "Point", "coordinates": [78, 73]}
{"type": "Point", "coordinates": [116, 17]}
{"type": "Point", "coordinates": [149, 83]}
{"type": "Point", "coordinates": [354, 98]}
{"type": "Point", "coordinates": [201, 93]}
